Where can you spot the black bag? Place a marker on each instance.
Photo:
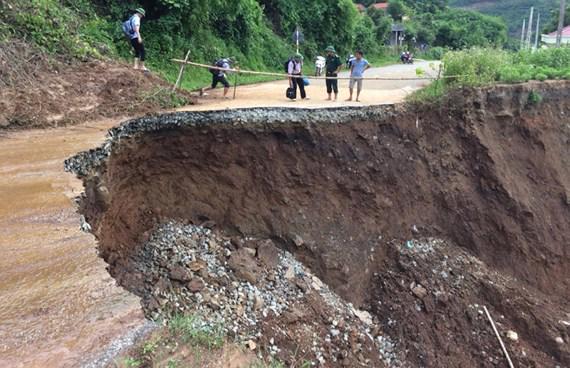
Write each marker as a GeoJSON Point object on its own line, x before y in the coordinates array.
{"type": "Point", "coordinates": [219, 63]}
{"type": "Point", "coordinates": [291, 93]}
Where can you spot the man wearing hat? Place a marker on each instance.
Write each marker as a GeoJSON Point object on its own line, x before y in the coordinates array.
{"type": "Point", "coordinates": [333, 67]}
{"type": "Point", "coordinates": [132, 29]}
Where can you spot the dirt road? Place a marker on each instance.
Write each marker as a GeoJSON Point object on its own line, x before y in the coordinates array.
{"type": "Point", "coordinates": [375, 92]}
{"type": "Point", "coordinates": [58, 306]}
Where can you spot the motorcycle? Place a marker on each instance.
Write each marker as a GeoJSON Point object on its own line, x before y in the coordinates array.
{"type": "Point", "coordinates": [407, 58]}
{"type": "Point", "coordinates": [319, 66]}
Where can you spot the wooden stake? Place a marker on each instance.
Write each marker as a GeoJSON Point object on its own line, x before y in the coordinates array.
{"type": "Point", "coordinates": [561, 23]}
{"type": "Point", "coordinates": [523, 33]}
{"type": "Point", "coordinates": [180, 73]}
{"type": "Point", "coordinates": [529, 30]}
{"type": "Point", "coordinates": [499, 338]}
{"type": "Point", "coordinates": [235, 84]}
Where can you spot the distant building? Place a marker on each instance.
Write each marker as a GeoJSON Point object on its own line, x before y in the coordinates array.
{"type": "Point", "coordinates": [382, 6]}
{"type": "Point", "coordinates": [398, 35]}
{"type": "Point", "coordinates": [379, 5]}
{"type": "Point", "coordinates": [550, 39]}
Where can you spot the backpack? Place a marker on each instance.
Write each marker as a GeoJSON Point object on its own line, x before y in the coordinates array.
{"type": "Point", "coordinates": [218, 63]}
{"type": "Point", "coordinates": [128, 28]}
{"type": "Point", "coordinates": [286, 65]}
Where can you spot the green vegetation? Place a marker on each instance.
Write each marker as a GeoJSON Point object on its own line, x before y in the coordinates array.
{"type": "Point", "coordinates": [480, 67]}
{"type": "Point", "coordinates": [434, 23]}
{"type": "Point", "coordinates": [194, 330]}
{"type": "Point", "coordinates": [256, 33]}
{"type": "Point", "coordinates": [129, 363]}
{"type": "Point", "coordinates": [555, 16]}
{"type": "Point", "coordinates": [534, 98]}
{"type": "Point", "coordinates": [512, 11]}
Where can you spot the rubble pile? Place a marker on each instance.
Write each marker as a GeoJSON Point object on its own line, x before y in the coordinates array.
{"type": "Point", "coordinates": [259, 295]}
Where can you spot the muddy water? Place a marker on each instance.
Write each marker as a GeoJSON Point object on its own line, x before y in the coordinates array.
{"type": "Point", "coordinates": [57, 301]}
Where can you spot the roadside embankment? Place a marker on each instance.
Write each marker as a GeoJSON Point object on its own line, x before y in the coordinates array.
{"type": "Point", "coordinates": [418, 214]}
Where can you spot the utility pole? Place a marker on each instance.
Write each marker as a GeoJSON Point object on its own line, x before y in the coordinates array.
{"type": "Point", "coordinates": [537, 32]}
{"type": "Point", "coordinates": [529, 31]}
{"type": "Point", "coordinates": [561, 23]}
{"type": "Point", "coordinates": [523, 33]}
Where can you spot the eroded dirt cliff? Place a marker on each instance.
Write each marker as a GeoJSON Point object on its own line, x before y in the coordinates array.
{"type": "Point", "coordinates": [349, 190]}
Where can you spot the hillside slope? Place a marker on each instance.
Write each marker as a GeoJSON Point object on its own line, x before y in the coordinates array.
{"type": "Point", "coordinates": [513, 11]}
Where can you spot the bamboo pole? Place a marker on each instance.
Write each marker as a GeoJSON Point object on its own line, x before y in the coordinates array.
{"type": "Point", "coordinates": [181, 72]}
{"type": "Point", "coordinates": [499, 338]}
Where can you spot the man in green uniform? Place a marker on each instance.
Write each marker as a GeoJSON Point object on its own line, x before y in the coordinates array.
{"type": "Point", "coordinates": [333, 67]}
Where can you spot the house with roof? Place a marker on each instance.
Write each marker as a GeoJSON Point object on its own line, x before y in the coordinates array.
{"type": "Point", "coordinates": [379, 5]}
{"type": "Point", "coordinates": [550, 39]}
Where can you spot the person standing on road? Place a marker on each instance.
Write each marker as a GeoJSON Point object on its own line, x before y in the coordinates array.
{"type": "Point", "coordinates": [333, 67]}
{"type": "Point", "coordinates": [359, 66]}
{"type": "Point", "coordinates": [219, 75]}
{"type": "Point", "coordinates": [295, 70]}
{"type": "Point", "coordinates": [132, 28]}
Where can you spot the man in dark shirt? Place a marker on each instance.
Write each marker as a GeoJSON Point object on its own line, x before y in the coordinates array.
{"type": "Point", "coordinates": [333, 67]}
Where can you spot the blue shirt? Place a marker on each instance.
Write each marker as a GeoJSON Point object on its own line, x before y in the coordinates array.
{"type": "Point", "coordinates": [358, 68]}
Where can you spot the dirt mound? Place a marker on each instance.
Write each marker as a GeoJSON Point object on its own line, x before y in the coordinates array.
{"type": "Point", "coordinates": [40, 91]}
{"type": "Point", "coordinates": [346, 189]}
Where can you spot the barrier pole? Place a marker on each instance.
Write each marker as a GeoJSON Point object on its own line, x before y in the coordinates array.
{"type": "Point", "coordinates": [181, 72]}
{"type": "Point", "coordinates": [235, 84]}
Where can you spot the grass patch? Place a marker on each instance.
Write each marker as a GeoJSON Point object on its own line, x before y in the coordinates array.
{"type": "Point", "coordinates": [534, 98]}
{"type": "Point", "coordinates": [164, 98]}
{"type": "Point", "coordinates": [194, 330]}
{"type": "Point", "coordinates": [129, 362]}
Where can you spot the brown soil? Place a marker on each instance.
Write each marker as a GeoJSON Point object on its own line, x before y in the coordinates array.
{"type": "Point", "coordinates": [489, 174]}
{"type": "Point", "coordinates": [41, 91]}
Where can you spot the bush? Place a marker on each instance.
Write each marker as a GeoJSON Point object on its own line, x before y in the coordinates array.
{"type": "Point", "coordinates": [534, 98]}
{"type": "Point", "coordinates": [479, 67]}
{"type": "Point", "coordinates": [435, 53]}
{"type": "Point", "coordinates": [474, 67]}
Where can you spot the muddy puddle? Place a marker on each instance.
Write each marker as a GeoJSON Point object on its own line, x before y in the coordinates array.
{"type": "Point", "coordinates": [57, 301]}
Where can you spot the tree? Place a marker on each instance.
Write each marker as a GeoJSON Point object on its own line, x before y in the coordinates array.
{"type": "Point", "coordinates": [382, 24]}
{"type": "Point", "coordinates": [427, 6]}
{"type": "Point", "coordinates": [458, 29]}
{"type": "Point", "coordinates": [396, 9]}
{"type": "Point", "coordinates": [364, 36]}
